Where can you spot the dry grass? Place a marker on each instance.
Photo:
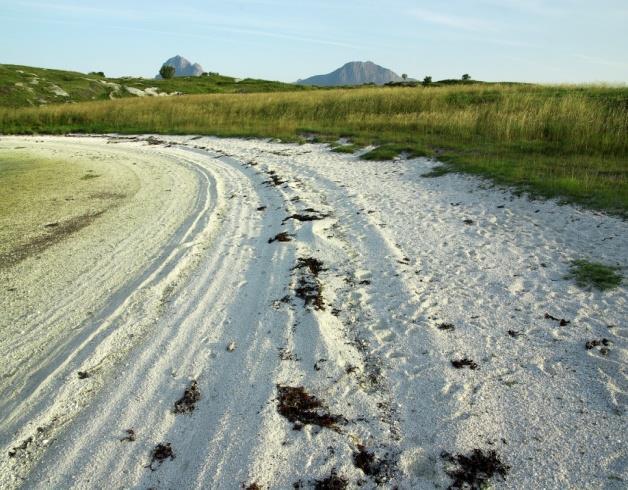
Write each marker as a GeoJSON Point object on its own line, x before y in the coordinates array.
{"type": "Point", "coordinates": [554, 141]}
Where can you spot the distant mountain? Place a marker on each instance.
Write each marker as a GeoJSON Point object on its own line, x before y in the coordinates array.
{"type": "Point", "coordinates": [354, 73]}
{"type": "Point", "coordinates": [183, 67]}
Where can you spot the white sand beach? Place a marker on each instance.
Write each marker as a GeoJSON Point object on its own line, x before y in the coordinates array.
{"type": "Point", "coordinates": [417, 311]}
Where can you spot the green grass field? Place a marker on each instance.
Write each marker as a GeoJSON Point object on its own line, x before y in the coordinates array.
{"type": "Point", "coordinates": [24, 86]}
{"type": "Point", "coordinates": [568, 142]}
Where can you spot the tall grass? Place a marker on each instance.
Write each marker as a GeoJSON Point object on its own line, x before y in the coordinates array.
{"type": "Point", "coordinates": [565, 141]}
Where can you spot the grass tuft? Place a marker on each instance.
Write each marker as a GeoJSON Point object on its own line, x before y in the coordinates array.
{"type": "Point", "coordinates": [438, 171]}
{"type": "Point", "coordinates": [391, 151]}
{"type": "Point", "coordinates": [593, 274]}
{"type": "Point", "coordinates": [346, 149]}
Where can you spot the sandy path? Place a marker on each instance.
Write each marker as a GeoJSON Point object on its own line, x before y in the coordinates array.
{"type": "Point", "coordinates": [155, 297]}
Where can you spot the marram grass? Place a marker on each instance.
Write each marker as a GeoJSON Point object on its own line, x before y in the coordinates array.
{"type": "Point", "coordinates": [565, 142]}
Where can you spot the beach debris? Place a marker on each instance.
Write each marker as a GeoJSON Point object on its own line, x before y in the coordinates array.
{"type": "Point", "coordinates": [561, 321]}
{"type": "Point", "coordinates": [83, 374]}
{"type": "Point", "coordinates": [253, 486]}
{"type": "Point", "coordinates": [286, 354]}
{"type": "Point", "coordinates": [314, 265]}
{"type": "Point", "coordinates": [130, 436]}
{"type": "Point", "coordinates": [90, 176]}
{"type": "Point", "coordinates": [231, 346]}
{"type": "Point", "coordinates": [350, 369]}
{"type": "Point", "coordinates": [261, 208]}
{"type": "Point", "coordinates": [603, 343]}
{"type": "Point", "coordinates": [310, 290]}
{"type": "Point", "coordinates": [379, 469]}
{"type": "Point", "coordinates": [464, 362]}
{"type": "Point", "coordinates": [151, 140]}
{"type": "Point", "coordinates": [473, 471]}
{"type": "Point", "coordinates": [514, 334]}
{"type": "Point", "coordinates": [22, 447]}
{"type": "Point", "coordinates": [274, 179]}
{"type": "Point", "coordinates": [187, 403]}
{"type": "Point", "coordinates": [317, 364]}
{"type": "Point", "coordinates": [447, 327]}
{"type": "Point", "coordinates": [468, 221]}
{"type": "Point", "coordinates": [312, 216]}
{"type": "Point", "coordinates": [281, 237]}
{"type": "Point", "coordinates": [161, 453]}
{"type": "Point", "coordinates": [286, 300]}
{"type": "Point", "coordinates": [300, 408]}
{"type": "Point", "coordinates": [332, 482]}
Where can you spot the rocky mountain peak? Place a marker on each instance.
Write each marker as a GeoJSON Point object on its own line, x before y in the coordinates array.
{"type": "Point", "coordinates": [183, 67]}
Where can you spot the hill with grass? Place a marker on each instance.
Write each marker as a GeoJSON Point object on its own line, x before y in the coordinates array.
{"type": "Point", "coordinates": [24, 86]}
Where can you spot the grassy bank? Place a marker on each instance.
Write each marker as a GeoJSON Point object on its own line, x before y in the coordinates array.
{"type": "Point", "coordinates": [552, 141]}
{"type": "Point", "coordinates": [24, 86]}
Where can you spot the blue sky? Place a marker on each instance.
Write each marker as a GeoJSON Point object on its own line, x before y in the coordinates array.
{"type": "Point", "coordinates": [521, 40]}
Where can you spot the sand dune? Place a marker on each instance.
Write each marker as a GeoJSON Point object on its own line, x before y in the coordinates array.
{"type": "Point", "coordinates": [165, 345]}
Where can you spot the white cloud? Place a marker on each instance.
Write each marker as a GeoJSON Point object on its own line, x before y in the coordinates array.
{"type": "Point", "coordinates": [453, 21]}
{"type": "Point", "coordinates": [206, 22]}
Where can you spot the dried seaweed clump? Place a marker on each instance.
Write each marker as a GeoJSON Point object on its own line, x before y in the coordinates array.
{"type": "Point", "coordinates": [187, 403]}
{"type": "Point", "coordinates": [379, 469]}
{"type": "Point", "coordinates": [161, 453]}
{"type": "Point", "coordinates": [461, 363]}
{"type": "Point", "coordinates": [473, 471]}
{"type": "Point", "coordinates": [300, 408]}
{"type": "Point", "coordinates": [314, 265]}
{"type": "Point", "coordinates": [332, 482]}
{"type": "Point", "coordinates": [561, 321]}
{"type": "Point", "coordinates": [281, 237]}
{"type": "Point", "coordinates": [307, 215]}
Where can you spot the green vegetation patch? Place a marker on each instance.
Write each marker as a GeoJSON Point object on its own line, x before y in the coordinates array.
{"type": "Point", "coordinates": [392, 151]}
{"type": "Point", "coordinates": [593, 274]}
{"type": "Point", "coordinates": [24, 86]}
{"type": "Point", "coordinates": [438, 171]}
{"type": "Point", "coordinates": [594, 181]}
{"type": "Point", "coordinates": [346, 149]}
